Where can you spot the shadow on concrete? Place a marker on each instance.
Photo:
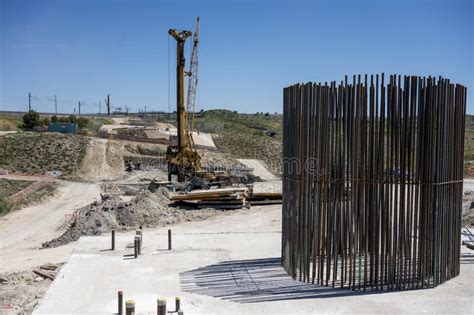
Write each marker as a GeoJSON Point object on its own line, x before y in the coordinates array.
{"type": "Point", "coordinates": [263, 280]}
{"type": "Point", "coordinates": [253, 281]}
{"type": "Point", "coordinates": [129, 256]}
{"type": "Point", "coordinates": [467, 258]}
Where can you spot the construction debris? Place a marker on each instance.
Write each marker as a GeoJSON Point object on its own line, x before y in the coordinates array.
{"type": "Point", "coordinates": [225, 198]}
{"type": "Point", "coordinates": [21, 291]}
{"type": "Point", "coordinates": [43, 274]}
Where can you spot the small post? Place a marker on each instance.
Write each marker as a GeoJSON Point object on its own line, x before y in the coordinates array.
{"type": "Point", "coordinates": [139, 245]}
{"type": "Point", "coordinates": [161, 306]}
{"type": "Point", "coordinates": [169, 239]}
{"type": "Point", "coordinates": [113, 239]}
{"type": "Point", "coordinates": [180, 312]}
{"type": "Point", "coordinates": [139, 233]}
{"type": "Point", "coordinates": [135, 247]}
{"type": "Point", "coordinates": [120, 303]}
{"type": "Point", "coordinates": [177, 304]}
{"type": "Point", "coordinates": [130, 307]}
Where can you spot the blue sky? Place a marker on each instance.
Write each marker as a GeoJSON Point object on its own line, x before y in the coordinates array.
{"type": "Point", "coordinates": [81, 49]}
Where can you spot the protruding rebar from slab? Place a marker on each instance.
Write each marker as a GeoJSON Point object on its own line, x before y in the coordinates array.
{"type": "Point", "coordinates": [120, 302]}
{"type": "Point", "coordinates": [136, 246]}
{"type": "Point", "coordinates": [169, 240]}
{"type": "Point", "coordinates": [161, 306]}
{"type": "Point", "coordinates": [113, 239]}
{"type": "Point", "coordinates": [130, 307]}
{"type": "Point", "coordinates": [177, 304]}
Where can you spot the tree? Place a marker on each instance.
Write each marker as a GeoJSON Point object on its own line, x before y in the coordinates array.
{"type": "Point", "coordinates": [54, 118]}
{"type": "Point", "coordinates": [30, 120]}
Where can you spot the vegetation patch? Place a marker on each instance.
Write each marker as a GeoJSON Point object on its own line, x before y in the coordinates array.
{"type": "Point", "coordinates": [37, 153]}
{"type": "Point", "coordinates": [246, 136]}
{"type": "Point", "coordinates": [10, 122]}
{"type": "Point", "coordinates": [9, 188]}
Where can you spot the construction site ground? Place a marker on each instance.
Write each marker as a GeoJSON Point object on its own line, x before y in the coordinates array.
{"type": "Point", "coordinates": [23, 231]}
{"type": "Point", "coordinates": [234, 275]}
{"type": "Point", "coordinates": [239, 274]}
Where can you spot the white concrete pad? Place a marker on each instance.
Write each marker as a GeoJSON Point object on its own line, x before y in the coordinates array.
{"type": "Point", "coordinates": [226, 265]}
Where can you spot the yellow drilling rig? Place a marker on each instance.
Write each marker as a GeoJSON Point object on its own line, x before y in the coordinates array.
{"type": "Point", "coordinates": [182, 157]}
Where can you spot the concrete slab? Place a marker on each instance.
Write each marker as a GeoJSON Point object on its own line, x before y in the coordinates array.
{"type": "Point", "coordinates": [225, 265]}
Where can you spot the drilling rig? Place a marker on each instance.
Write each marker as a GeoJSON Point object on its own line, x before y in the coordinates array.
{"type": "Point", "coordinates": [183, 158]}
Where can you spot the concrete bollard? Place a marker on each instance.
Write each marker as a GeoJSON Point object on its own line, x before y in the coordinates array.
{"type": "Point", "coordinates": [177, 304]}
{"type": "Point", "coordinates": [135, 246]}
{"type": "Point", "coordinates": [169, 239]}
{"type": "Point", "coordinates": [113, 239]}
{"type": "Point", "coordinates": [161, 306]}
{"type": "Point", "coordinates": [120, 303]}
{"type": "Point", "coordinates": [130, 307]}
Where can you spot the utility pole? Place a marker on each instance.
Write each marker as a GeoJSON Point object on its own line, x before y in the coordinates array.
{"type": "Point", "coordinates": [107, 103]}
{"type": "Point", "coordinates": [79, 108]}
{"type": "Point", "coordinates": [55, 105]}
{"type": "Point", "coordinates": [100, 108]}
{"type": "Point", "coordinates": [145, 109]}
{"type": "Point", "coordinates": [29, 102]}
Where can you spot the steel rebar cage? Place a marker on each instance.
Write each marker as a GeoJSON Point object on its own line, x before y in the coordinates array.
{"type": "Point", "coordinates": [372, 182]}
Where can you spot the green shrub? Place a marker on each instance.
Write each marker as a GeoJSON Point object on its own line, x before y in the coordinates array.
{"type": "Point", "coordinates": [30, 120]}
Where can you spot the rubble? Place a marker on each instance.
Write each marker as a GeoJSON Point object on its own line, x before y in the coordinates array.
{"type": "Point", "coordinates": [21, 291]}
{"type": "Point", "coordinates": [111, 212]}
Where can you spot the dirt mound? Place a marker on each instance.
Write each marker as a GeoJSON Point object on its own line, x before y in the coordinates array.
{"type": "Point", "coordinates": [37, 153]}
{"type": "Point", "coordinates": [146, 209]}
{"type": "Point", "coordinates": [103, 160]}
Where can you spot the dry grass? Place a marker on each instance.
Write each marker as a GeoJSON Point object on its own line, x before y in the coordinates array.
{"type": "Point", "coordinates": [37, 153]}
{"type": "Point", "coordinates": [10, 122]}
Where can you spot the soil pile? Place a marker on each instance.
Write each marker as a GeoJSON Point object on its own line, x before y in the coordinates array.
{"type": "Point", "coordinates": [103, 160]}
{"type": "Point", "coordinates": [147, 209]}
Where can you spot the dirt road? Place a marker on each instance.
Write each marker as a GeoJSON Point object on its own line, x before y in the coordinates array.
{"type": "Point", "coordinates": [23, 231]}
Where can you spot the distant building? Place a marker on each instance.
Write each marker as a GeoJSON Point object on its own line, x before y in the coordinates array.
{"type": "Point", "coordinates": [62, 127]}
